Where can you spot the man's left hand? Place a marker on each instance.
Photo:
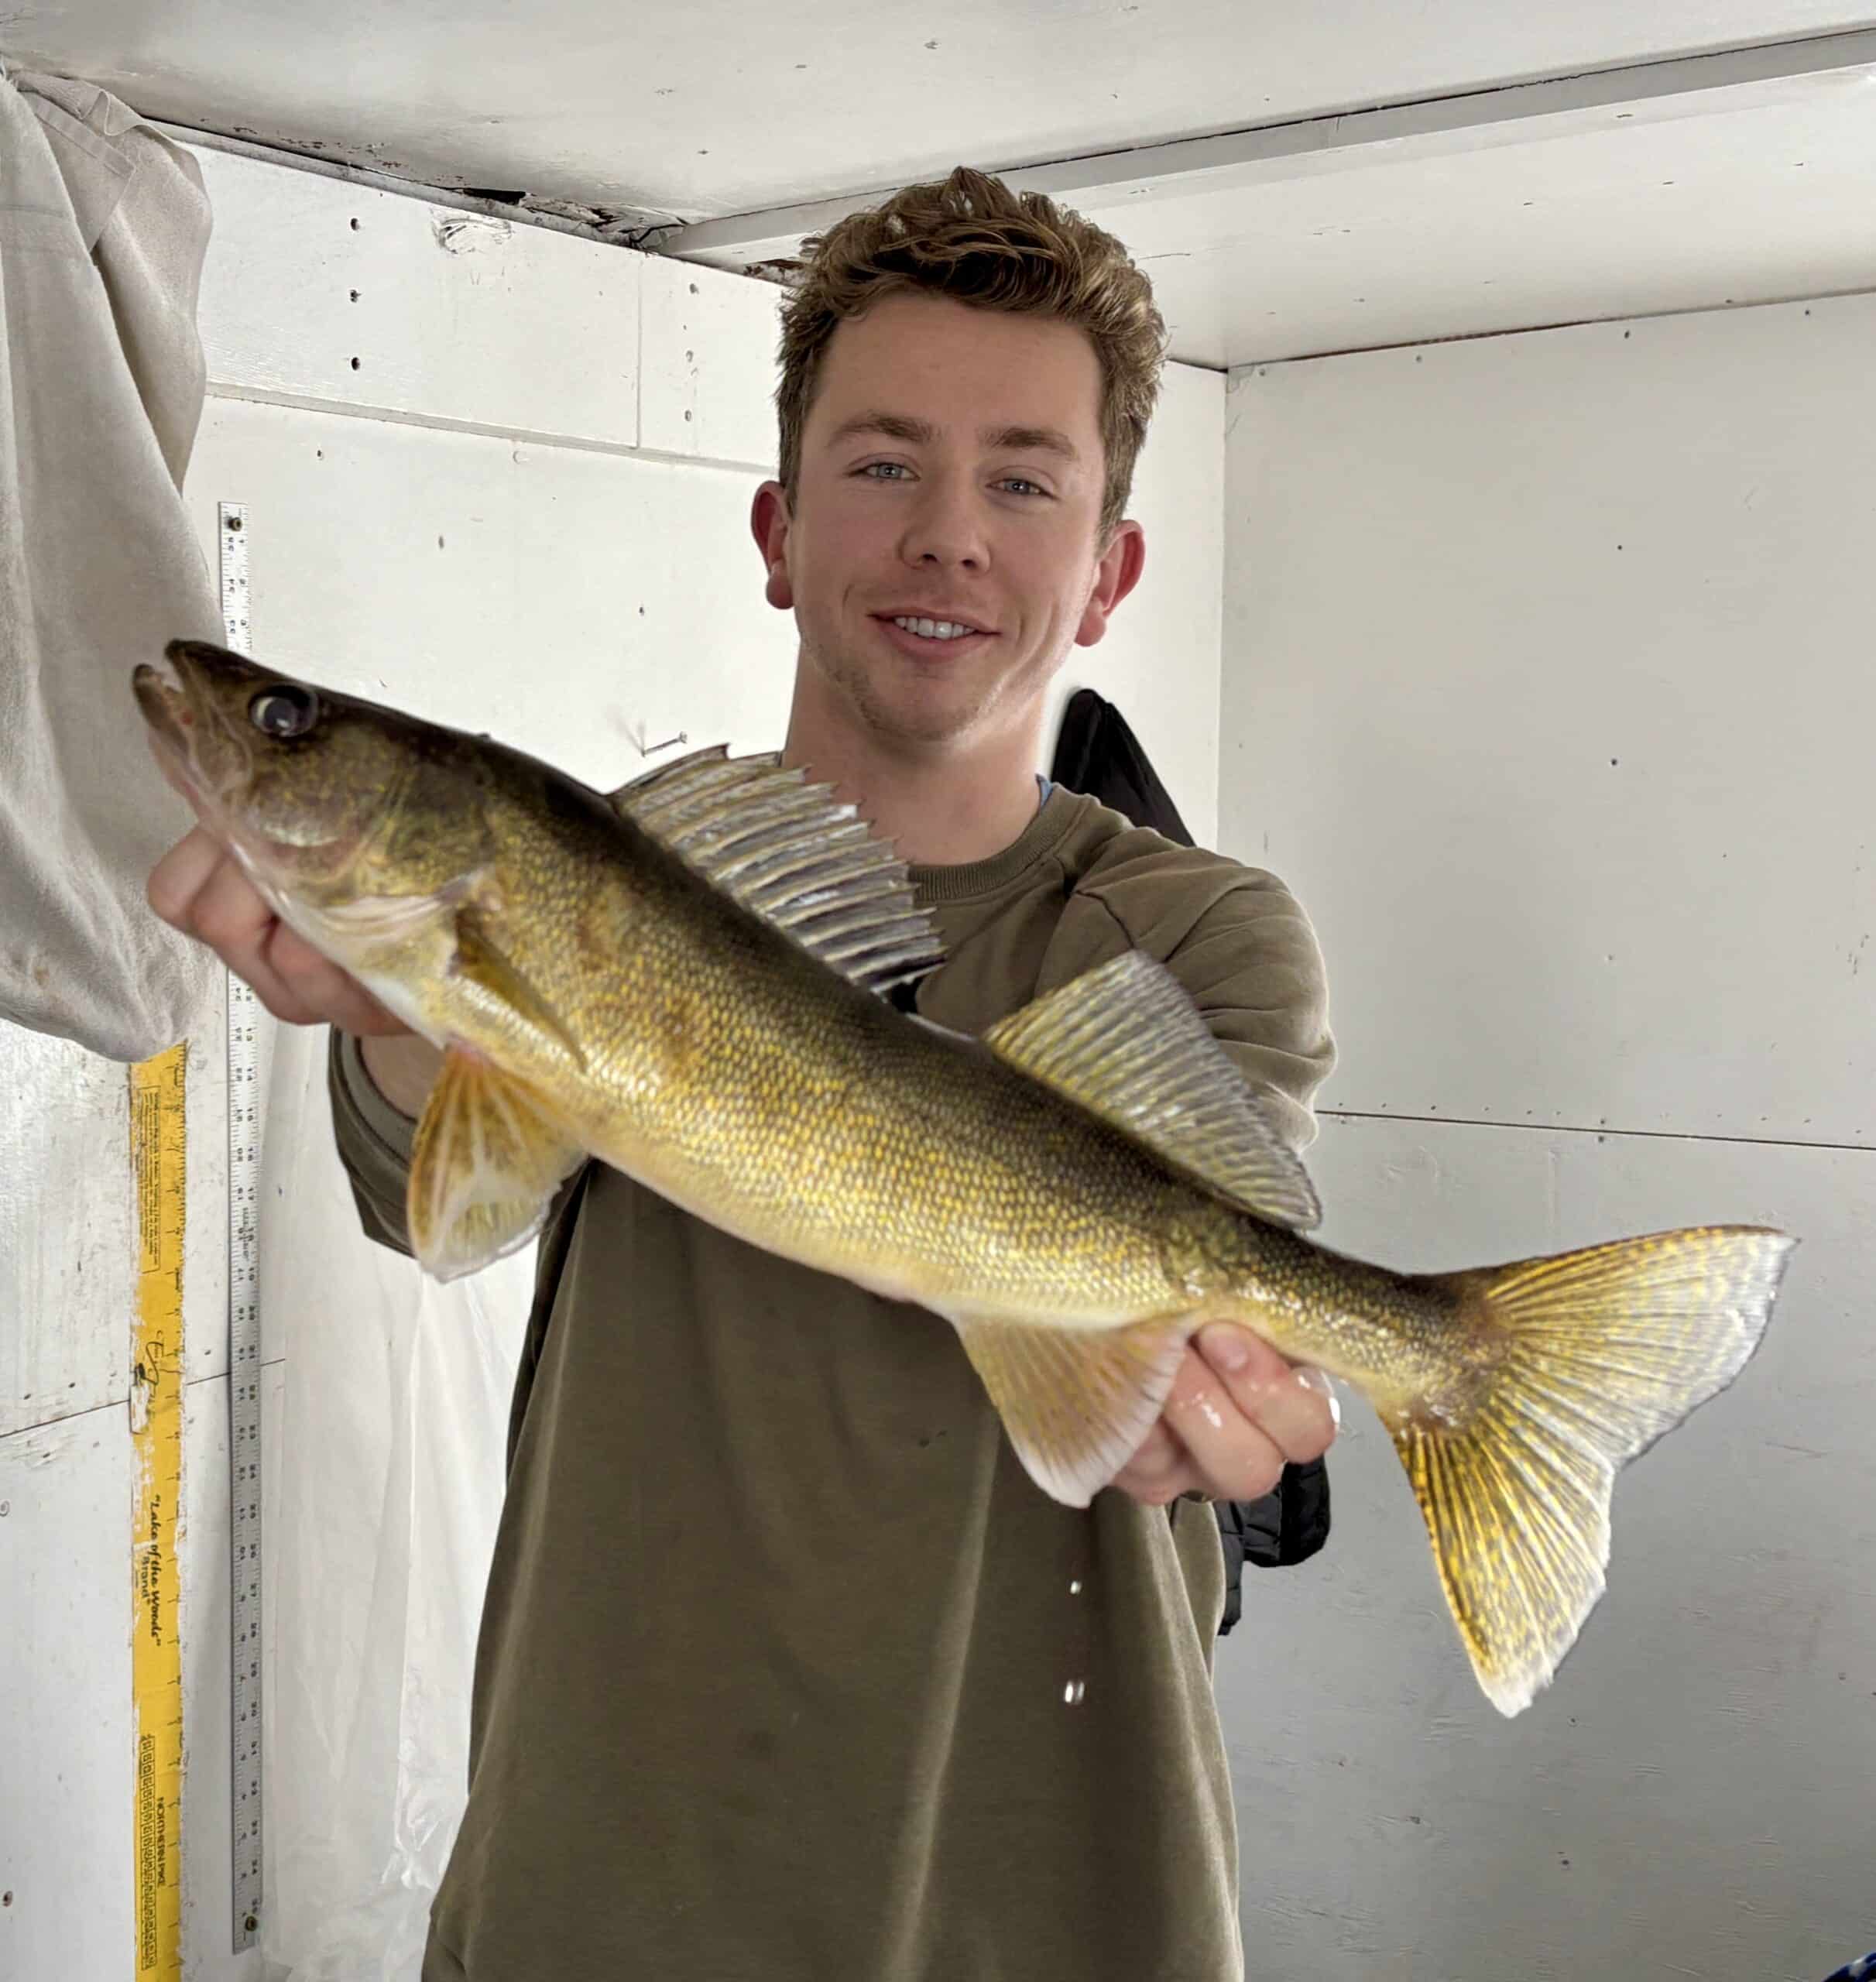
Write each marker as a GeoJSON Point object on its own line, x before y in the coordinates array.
{"type": "Point", "coordinates": [1237, 1413]}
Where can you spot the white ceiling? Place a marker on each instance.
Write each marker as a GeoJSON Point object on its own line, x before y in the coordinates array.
{"type": "Point", "coordinates": [1480, 214]}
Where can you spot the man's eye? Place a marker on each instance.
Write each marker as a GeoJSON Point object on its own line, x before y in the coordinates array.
{"type": "Point", "coordinates": [894, 468]}
{"type": "Point", "coordinates": [1022, 481]}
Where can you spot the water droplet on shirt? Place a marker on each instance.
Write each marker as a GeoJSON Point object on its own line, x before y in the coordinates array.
{"type": "Point", "coordinates": [1072, 1693]}
{"type": "Point", "coordinates": [1075, 1587]}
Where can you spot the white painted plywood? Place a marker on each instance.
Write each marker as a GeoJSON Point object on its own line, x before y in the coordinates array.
{"type": "Point", "coordinates": [66, 1251]}
{"type": "Point", "coordinates": [65, 1244]}
{"type": "Point", "coordinates": [66, 1782]}
{"type": "Point", "coordinates": [1691, 1796]}
{"type": "Point", "coordinates": [567, 602]}
{"type": "Point", "coordinates": [709, 364]}
{"type": "Point", "coordinates": [1543, 685]}
{"type": "Point", "coordinates": [315, 290]}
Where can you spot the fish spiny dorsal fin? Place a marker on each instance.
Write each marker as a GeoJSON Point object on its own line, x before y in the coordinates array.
{"type": "Point", "coordinates": [1127, 1044]}
{"type": "Point", "coordinates": [787, 850]}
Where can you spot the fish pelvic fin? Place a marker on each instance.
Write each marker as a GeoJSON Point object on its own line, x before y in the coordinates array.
{"type": "Point", "coordinates": [1598, 1353]}
{"type": "Point", "coordinates": [487, 1159]}
{"type": "Point", "coordinates": [1075, 1401]}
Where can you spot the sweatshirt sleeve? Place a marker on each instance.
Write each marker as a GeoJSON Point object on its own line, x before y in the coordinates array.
{"type": "Point", "coordinates": [1252, 966]}
{"type": "Point", "coordinates": [374, 1143]}
{"type": "Point", "coordinates": [1236, 939]}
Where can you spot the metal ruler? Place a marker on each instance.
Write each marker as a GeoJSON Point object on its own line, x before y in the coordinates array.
{"type": "Point", "coordinates": [244, 1350]}
{"type": "Point", "coordinates": [159, 1160]}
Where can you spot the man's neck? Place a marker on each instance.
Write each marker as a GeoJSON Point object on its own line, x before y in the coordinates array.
{"type": "Point", "coordinates": [939, 807]}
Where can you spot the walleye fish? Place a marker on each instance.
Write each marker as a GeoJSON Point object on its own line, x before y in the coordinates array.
{"type": "Point", "coordinates": [682, 980]}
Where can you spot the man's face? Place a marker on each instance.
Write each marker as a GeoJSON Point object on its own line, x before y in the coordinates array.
{"type": "Point", "coordinates": [951, 472]}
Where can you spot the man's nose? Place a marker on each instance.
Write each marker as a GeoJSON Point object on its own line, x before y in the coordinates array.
{"type": "Point", "coordinates": [946, 528]}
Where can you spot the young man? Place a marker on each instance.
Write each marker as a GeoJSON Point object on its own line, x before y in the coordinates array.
{"type": "Point", "coordinates": [787, 1672]}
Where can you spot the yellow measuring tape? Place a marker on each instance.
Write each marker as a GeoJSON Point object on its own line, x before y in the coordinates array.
{"type": "Point", "coordinates": [158, 1149]}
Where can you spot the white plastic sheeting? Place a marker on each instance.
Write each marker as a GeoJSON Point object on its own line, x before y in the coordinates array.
{"type": "Point", "coordinates": [103, 227]}
{"type": "Point", "coordinates": [394, 1432]}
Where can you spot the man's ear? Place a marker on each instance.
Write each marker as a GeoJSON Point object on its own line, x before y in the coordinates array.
{"type": "Point", "coordinates": [769, 522]}
{"type": "Point", "coordinates": [1115, 576]}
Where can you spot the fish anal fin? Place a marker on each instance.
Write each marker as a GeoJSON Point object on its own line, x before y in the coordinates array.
{"type": "Point", "coordinates": [1126, 1043]}
{"type": "Point", "coordinates": [1590, 1357]}
{"type": "Point", "coordinates": [788, 852]}
{"type": "Point", "coordinates": [1076, 1402]}
{"type": "Point", "coordinates": [487, 1159]}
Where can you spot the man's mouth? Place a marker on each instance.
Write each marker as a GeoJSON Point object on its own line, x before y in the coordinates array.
{"type": "Point", "coordinates": [918, 633]}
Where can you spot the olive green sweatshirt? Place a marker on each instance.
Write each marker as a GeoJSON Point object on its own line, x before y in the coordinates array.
{"type": "Point", "coordinates": [787, 1671]}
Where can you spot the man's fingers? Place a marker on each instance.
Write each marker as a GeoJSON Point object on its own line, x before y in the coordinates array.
{"type": "Point", "coordinates": [180, 875]}
{"type": "Point", "coordinates": [1295, 1409]}
{"type": "Point", "coordinates": [1238, 1411]}
{"type": "Point", "coordinates": [199, 888]}
{"type": "Point", "coordinates": [329, 993]}
{"type": "Point", "coordinates": [1160, 1469]}
{"type": "Point", "coordinates": [1234, 1457]}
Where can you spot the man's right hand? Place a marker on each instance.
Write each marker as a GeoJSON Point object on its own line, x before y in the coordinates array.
{"type": "Point", "coordinates": [199, 887]}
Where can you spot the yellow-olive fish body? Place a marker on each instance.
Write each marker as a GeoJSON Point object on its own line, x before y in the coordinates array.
{"type": "Point", "coordinates": [683, 980]}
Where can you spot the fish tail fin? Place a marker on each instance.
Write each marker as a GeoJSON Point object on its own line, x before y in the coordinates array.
{"type": "Point", "coordinates": [1593, 1355]}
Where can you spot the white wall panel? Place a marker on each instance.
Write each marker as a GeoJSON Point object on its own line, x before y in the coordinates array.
{"type": "Point", "coordinates": [1546, 684]}
{"type": "Point", "coordinates": [66, 1223]}
{"type": "Point", "coordinates": [66, 1240]}
{"type": "Point", "coordinates": [316, 290]}
{"type": "Point", "coordinates": [66, 1784]}
{"type": "Point", "coordinates": [1691, 1796]}
{"type": "Point", "coordinates": [1543, 685]}
{"type": "Point", "coordinates": [709, 364]}
{"type": "Point", "coordinates": [567, 602]}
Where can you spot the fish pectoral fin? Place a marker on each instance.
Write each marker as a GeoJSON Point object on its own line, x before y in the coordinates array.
{"type": "Point", "coordinates": [481, 959]}
{"type": "Point", "coordinates": [1126, 1042]}
{"type": "Point", "coordinates": [1076, 1401]}
{"type": "Point", "coordinates": [487, 1159]}
{"type": "Point", "coordinates": [1598, 1352]}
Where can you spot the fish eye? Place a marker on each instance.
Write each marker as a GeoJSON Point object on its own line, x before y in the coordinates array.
{"type": "Point", "coordinates": [284, 710]}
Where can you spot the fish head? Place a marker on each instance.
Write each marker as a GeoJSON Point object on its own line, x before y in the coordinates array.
{"type": "Point", "coordinates": [326, 801]}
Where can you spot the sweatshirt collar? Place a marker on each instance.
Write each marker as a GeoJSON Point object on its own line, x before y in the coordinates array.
{"type": "Point", "coordinates": [1053, 821]}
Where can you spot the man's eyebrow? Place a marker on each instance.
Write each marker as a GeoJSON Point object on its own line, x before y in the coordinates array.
{"type": "Point", "coordinates": [921, 433]}
{"type": "Point", "coordinates": [1030, 439]}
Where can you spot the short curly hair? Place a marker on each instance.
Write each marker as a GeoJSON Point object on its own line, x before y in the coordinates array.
{"type": "Point", "coordinates": [970, 237]}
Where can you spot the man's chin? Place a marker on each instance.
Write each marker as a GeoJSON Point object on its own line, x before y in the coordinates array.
{"type": "Point", "coordinates": [928, 721]}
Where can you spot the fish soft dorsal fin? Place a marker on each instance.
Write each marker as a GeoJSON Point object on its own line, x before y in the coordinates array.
{"type": "Point", "coordinates": [787, 850]}
{"type": "Point", "coordinates": [1125, 1042]}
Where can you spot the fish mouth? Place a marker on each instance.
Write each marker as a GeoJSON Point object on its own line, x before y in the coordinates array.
{"type": "Point", "coordinates": [181, 718]}
{"type": "Point", "coordinates": [165, 708]}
